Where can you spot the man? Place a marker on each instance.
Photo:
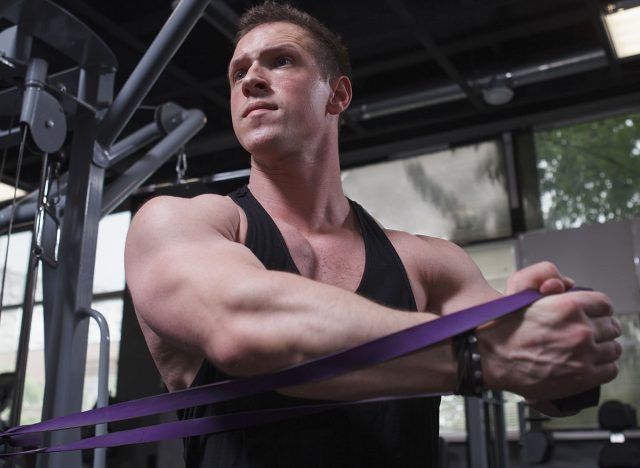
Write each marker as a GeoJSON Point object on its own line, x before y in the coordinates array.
{"type": "Point", "coordinates": [275, 275]}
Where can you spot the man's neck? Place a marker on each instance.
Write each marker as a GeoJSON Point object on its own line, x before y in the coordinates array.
{"type": "Point", "coordinates": [303, 192]}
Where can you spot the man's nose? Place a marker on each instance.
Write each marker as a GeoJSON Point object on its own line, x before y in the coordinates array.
{"type": "Point", "coordinates": [255, 82]}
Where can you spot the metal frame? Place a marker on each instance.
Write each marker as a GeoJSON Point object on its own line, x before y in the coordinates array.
{"type": "Point", "coordinates": [67, 286]}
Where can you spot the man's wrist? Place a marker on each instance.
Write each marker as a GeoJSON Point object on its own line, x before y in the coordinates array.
{"type": "Point", "coordinates": [470, 376]}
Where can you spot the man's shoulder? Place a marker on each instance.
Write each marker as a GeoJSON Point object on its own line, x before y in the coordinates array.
{"type": "Point", "coordinates": [168, 219]}
{"type": "Point", "coordinates": [425, 245]}
{"type": "Point", "coordinates": [442, 267]}
{"type": "Point", "coordinates": [173, 211]}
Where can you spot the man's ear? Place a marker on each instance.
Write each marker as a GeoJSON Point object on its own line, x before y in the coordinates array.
{"type": "Point", "coordinates": [341, 96]}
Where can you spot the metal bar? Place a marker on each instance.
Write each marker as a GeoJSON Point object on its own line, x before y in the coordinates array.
{"type": "Point", "coordinates": [500, 429]}
{"type": "Point", "coordinates": [100, 454]}
{"type": "Point", "coordinates": [569, 114]}
{"type": "Point", "coordinates": [134, 142]}
{"type": "Point", "coordinates": [219, 177]}
{"type": "Point", "coordinates": [141, 170]}
{"type": "Point", "coordinates": [510, 163]}
{"type": "Point", "coordinates": [477, 456]}
{"type": "Point", "coordinates": [96, 297]}
{"type": "Point", "coordinates": [10, 137]}
{"type": "Point", "coordinates": [149, 69]}
{"type": "Point", "coordinates": [522, 440]}
{"type": "Point", "coordinates": [67, 338]}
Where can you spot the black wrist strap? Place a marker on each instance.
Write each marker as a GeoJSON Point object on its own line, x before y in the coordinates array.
{"type": "Point", "coordinates": [470, 376]}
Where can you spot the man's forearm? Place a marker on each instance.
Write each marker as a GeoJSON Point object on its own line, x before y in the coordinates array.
{"type": "Point", "coordinates": [281, 319]}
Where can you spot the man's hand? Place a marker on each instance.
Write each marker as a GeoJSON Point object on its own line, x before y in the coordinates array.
{"type": "Point", "coordinates": [560, 346]}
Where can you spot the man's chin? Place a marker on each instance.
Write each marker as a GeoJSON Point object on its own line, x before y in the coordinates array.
{"type": "Point", "coordinates": [265, 143]}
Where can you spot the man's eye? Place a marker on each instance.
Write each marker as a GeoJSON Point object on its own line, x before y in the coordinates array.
{"type": "Point", "coordinates": [282, 61]}
{"type": "Point", "coordinates": [239, 74]}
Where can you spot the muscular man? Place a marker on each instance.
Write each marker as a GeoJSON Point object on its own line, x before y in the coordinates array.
{"type": "Point", "coordinates": [288, 269]}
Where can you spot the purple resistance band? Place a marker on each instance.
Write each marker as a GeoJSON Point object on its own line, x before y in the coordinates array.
{"type": "Point", "coordinates": [364, 355]}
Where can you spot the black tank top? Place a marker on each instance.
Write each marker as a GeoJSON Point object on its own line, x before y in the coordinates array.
{"type": "Point", "coordinates": [382, 434]}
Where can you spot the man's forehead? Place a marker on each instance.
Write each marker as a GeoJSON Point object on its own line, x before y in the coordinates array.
{"type": "Point", "coordinates": [268, 35]}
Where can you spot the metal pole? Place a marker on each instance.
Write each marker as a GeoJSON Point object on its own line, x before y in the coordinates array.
{"type": "Point", "coordinates": [500, 427]}
{"type": "Point", "coordinates": [522, 426]}
{"type": "Point", "coordinates": [160, 52]}
{"type": "Point", "coordinates": [477, 456]}
{"type": "Point", "coordinates": [67, 343]}
{"type": "Point", "coordinates": [132, 143]}
{"type": "Point", "coordinates": [140, 171]}
{"type": "Point", "coordinates": [36, 72]}
{"type": "Point", "coordinates": [100, 454]}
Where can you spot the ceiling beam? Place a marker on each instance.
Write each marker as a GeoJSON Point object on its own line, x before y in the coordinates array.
{"type": "Point", "coordinates": [559, 115]}
{"type": "Point", "coordinates": [517, 31]}
{"type": "Point", "coordinates": [399, 7]}
{"type": "Point", "coordinates": [134, 43]}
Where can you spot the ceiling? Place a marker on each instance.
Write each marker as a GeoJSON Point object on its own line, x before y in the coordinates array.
{"type": "Point", "coordinates": [421, 70]}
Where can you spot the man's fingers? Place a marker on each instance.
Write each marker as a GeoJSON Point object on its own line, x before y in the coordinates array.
{"type": "Point", "coordinates": [605, 329]}
{"type": "Point", "coordinates": [608, 353]}
{"type": "Point", "coordinates": [543, 276]}
{"type": "Point", "coordinates": [605, 372]}
{"type": "Point", "coordinates": [596, 304]}
{"type": "Point", "coordinates": [552, 286]}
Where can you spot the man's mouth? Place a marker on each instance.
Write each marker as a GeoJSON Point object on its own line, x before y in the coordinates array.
{"type": "Point", "coordinates": [258, 106]}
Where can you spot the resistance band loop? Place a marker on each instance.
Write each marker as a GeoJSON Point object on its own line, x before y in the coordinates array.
{"type": "Point", "coordinates": [367, 354]}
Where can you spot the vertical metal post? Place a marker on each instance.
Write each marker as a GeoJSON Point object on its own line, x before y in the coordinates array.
{"type": "Point", "coordinates": [500, 430]}
{"type": "Point", "coordinates": [477, 455]}
{"type": "Point", "coordinates": [522, 426]}
{"type": "Point", "coordinates": [68, 335]}
{"type": "Point", "coordinates": [36, 74]}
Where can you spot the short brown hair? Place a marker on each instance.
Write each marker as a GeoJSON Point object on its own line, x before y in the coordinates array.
{"type": "Point", "coordinates": [331, 53]}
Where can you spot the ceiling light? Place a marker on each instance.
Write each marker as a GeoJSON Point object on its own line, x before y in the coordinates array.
{"type": "Point", "coordinates": [498, 91]}
{"type": "Point", "coordinates": [497, 95]}
{"type": "Point", "coordinates": [623, 24]}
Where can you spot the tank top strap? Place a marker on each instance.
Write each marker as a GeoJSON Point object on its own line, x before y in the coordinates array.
{"type": "Point", "coordinates": [385, 279]}
{"type": "Point", "coordinates": [264, 238]}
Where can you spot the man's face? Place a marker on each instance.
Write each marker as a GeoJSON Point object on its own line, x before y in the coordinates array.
{"type": "Point", "coordinates": [278, 94]}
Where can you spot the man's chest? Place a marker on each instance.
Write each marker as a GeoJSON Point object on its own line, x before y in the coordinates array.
{"type": "Point", "coordinates": [336, 258]}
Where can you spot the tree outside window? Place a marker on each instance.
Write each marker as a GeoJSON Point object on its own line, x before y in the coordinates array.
{"type": "Point", "coordinates": [590, 172]}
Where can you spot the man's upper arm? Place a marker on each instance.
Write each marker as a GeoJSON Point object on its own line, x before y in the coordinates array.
{"type": "Point", "coordinates": [453, 279]}
{"type": "Point", "coordinates": [175, 249]}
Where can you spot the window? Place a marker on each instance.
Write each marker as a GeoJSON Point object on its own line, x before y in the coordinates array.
{"type": "Point", "coordinates": [590, 172]}
{"type": "Point", "coordinates": [457, 194]}
{"type": "Point", "coordinates": [108, 289]}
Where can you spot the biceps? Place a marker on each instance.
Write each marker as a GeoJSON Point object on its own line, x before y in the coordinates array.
{"type": "Point", "coordinates": [182, 293]}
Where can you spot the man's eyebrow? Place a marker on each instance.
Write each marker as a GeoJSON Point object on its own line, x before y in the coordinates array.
{"type": "Point", "coordinates": [284, 47]}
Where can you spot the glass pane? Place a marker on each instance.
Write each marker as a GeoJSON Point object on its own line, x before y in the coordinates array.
{"type": "Point", "coordinates": [35, 377]}
{"type": "Point", "coordinates": [452, 416]}
{"type": "Point", "coordinates": [9, 336]}
{"type": "Point", "coordinates": [109, 271]}
{"type": "Point", "coordinates": [17, 265]}
{"type": "Point", "coordinates": [496, 260]}
{"type": "Point", "coordinates": [589, 172]}
{"type": "Point", "coordinates": [457, 194]}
